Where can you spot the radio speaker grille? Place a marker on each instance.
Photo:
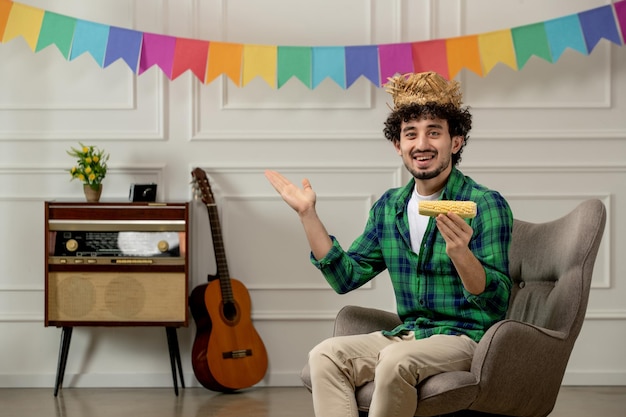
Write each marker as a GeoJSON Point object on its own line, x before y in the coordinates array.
{"type": "Point", "coordinates": [116, 297]}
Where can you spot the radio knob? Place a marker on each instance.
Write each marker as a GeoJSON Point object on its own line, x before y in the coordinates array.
{"type": "Point", "coordinates": [71, 245]}
{"type": "Point", "coordinates": [163, 245]}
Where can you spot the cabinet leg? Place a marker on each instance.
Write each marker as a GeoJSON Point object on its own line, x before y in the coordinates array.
{"type": "Point", "coordinates": [175, 362]}
{"type": "Point", "coordinates": [64, 348]}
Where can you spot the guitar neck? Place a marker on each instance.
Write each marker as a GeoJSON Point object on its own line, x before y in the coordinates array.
{"type": "Point", "coordinates": [220, 253]}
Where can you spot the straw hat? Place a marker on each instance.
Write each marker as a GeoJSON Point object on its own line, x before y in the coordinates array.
{"type": "Point", "coordinates": [422, 88]}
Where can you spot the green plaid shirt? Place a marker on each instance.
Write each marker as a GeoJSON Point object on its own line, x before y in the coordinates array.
{"type": "Point", "coordinates": [430, 296]}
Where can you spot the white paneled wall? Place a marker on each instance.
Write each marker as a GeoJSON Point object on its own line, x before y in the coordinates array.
{"type": "Point", "coordinates": [547, 136]}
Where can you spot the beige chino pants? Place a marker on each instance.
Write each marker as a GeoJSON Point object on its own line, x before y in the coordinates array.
{"type": "Point", "coordinates": [396, 364]}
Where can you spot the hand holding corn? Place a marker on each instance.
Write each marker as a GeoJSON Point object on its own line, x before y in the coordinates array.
{"type": "Point", "coordinates": [465, 209]}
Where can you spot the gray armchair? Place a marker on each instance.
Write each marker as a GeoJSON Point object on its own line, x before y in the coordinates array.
{"type": "Point", "coordinates": [519, 364]}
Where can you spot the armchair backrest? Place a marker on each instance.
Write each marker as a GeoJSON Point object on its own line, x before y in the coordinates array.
{"type": "Point", "coordinates": [551, 265]}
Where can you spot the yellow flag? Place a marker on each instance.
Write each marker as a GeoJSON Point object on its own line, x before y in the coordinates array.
{"type": "Point", "coordinates": [24, 21]}
{"type": "Point", "coordinates": [497, 47]}
{"type": "Point", "coordinates": [260, 60]}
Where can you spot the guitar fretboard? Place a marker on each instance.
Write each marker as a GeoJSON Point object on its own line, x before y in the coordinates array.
{"type": "Point", "coordinates": [220, 253]}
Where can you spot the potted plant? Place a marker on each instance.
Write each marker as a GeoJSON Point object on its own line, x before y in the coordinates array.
{"type": "Point", "coordinates": [90, 169]}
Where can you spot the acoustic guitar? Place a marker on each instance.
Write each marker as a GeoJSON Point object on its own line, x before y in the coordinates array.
{"type": "Point", "coordinates": [228, 353]}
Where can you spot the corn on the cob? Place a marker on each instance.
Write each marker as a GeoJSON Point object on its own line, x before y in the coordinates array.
{"type": "Point", "coordinates": [465, 209]}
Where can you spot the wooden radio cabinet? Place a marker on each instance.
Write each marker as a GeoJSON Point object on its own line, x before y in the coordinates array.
{"type": "Point", "coordinates": [116, 264]}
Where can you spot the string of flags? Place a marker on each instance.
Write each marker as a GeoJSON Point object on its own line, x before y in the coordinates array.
{"type": "Point", "coordinates": [276, 64]}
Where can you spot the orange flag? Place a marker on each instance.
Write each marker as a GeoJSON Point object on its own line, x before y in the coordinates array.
{"type": "Point", "coordinates": [463, 53]}
{"type": "Point", "coordinates": [224, 58]}
{"type": "Point", "coordinates": [5, 9]}
{"type": "Point", "coordinates": [260, 60]}
{"type": "Point", "coordinates": [497, 47]}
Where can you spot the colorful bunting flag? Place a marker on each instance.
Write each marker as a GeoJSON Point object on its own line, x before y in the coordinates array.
{"type": "Point", "coordinates": [362, 61]}
{"type": "Point", "coordinates": [311, 65]}
{"type": "Point", "coordinates": [430, 56]}
{"type": "Point", "coordinates": [190, 54]}
{"type": "Point", "coordinates": [5, 10]}
{"type": "Point", "coordinates": [294, 61]}
{"type": "Point", "coordinates": [57, 30]}
{"type": "Point", "coordinates": [597, 24]}
{"type": "Point", "coordinates": [123, 44]}
{"type": "Point", "coordinates": [563, 33]}
{"type": "Point", "coordinates": [329, 62]}
{"type": "Point", "coordinates": [24, 21]}
{"type": "Point", "coordinates": [463, 52]}
{"type": "Point", "coordinates": [620, 13]}
{"type": "Point", "coordinates": [260, 60]}
{"type": "Point", "coordinates": [530, 40]}
{"type": "Point", "coordinates": [394, 59]}
{"type": "Point", "coordinates": [157, 50]}
{"type": "Point", "coordinates": [92, 38]}
{"type": "Point", "coordinates": [496, 47]}
{"type": "Point", "coordinates": [225, 58]}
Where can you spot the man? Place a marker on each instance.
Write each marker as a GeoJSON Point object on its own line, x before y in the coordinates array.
{"type": "Point", "coordinates": [450, 275]}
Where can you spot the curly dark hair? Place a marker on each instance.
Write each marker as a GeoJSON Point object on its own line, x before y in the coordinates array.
{"type": "Point", "coordinates": [459, 121]}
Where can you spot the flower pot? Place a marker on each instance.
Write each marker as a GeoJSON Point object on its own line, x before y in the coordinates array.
{"type": "Point", "coordinates": [92, 194]}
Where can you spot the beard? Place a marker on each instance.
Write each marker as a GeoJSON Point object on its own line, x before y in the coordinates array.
{"type": "Point", "coordinates": [427, 175]}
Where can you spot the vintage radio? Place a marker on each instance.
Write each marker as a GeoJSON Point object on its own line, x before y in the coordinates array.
{"type": "Point", "coordinates": [116, 264]}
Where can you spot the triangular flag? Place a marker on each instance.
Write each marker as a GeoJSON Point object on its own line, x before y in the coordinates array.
{"type": "Point", "coordinates": [24, 21]}
{"type": "Point", "coordinates": [362, 61]}
{"type": "Point", "coordinates": [496, 47]}
{"type": "Point", "coordinates": [530, 40]}
{"type": "Point", "coordinates": [225, 58]}
{"type": "Point", "coordinates": [124, 44]}
{"type": "Point", "coordinates": [57, 29]}
{"type": "Point", "coordinates": [563, 33]}
{"type": "Point", "coordinates": [430, 56]}
{"type": "Point", "coordinates": [396, 58]}
{"type": "Point", "coordinates": [329, 62]}
{"type": "Point", "coordinates": [620, 13]}
{"type": "Point", "coordinates": [190, 54]}
{"type": "Point", "coordinates": [260, 60]}
{"type": "Point", "coordinates": [463, 52]}
{"type": "Point", "coordinates": [90, 37]}
{"type": "Point", "coordinates": [597, 24]}
{"type": "Point", "coordinates": [157, 50]}
{"type": "Point", "coordinates": [294, 61]}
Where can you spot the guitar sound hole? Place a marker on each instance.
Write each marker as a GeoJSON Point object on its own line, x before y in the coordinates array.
{"type": "Point", "coordinates": [230, 311]}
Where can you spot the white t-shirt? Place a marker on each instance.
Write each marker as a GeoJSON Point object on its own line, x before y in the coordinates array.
{"type": "Point", "coordinates": [417, 222]}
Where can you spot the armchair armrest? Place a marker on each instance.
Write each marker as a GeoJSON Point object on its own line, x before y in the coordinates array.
{"type": "Point", "coordinates": [535, 355]}
{"type": "Point", "coordinates": [358, 320]}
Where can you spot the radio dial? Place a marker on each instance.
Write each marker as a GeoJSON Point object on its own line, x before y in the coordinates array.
{"type": "Point", "coordinates": [71, 245]}
{"type": "Point", "coordinates": [163, 246]}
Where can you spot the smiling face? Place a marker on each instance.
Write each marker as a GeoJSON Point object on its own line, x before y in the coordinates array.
{"type": "Point", "coordinates": [426, 149]}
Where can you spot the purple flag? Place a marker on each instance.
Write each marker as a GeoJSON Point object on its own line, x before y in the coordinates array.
{"type": "Point", "coordinates": [599, 23]}
{"type": "Point", "coordinates": [395, 59]}
{"type": "Point", "coordinates": [362, 61]}
{"type": "Point", "coordinates": [620, 12]}
{"type": "Point", "coordinates": [124, 44]}
{"type": "Point", "coordinates": [157, 50]}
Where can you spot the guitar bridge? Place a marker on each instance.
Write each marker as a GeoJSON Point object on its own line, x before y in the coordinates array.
{"type": "Point", "coordinates": [237, 354]}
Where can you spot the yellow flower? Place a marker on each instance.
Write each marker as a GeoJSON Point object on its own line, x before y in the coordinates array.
{"type": "Point", "coordinates": [81, 177]}
{"type": "Point", "coordinates": [73, 170]}
{"type": "Point", "coordinates": [92, 177]}
{"type": "Point", "coordinates": [95, 159]}
{"type": "Point", "coordinates": [85, 149]}
{"type": "Point", "coordinates": [88, 160]}
{"type": "Point", "coordinates": [88, 170]}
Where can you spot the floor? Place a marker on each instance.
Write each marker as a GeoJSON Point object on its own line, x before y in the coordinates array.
{"type": "Point", "coordinates": [255, 402]}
